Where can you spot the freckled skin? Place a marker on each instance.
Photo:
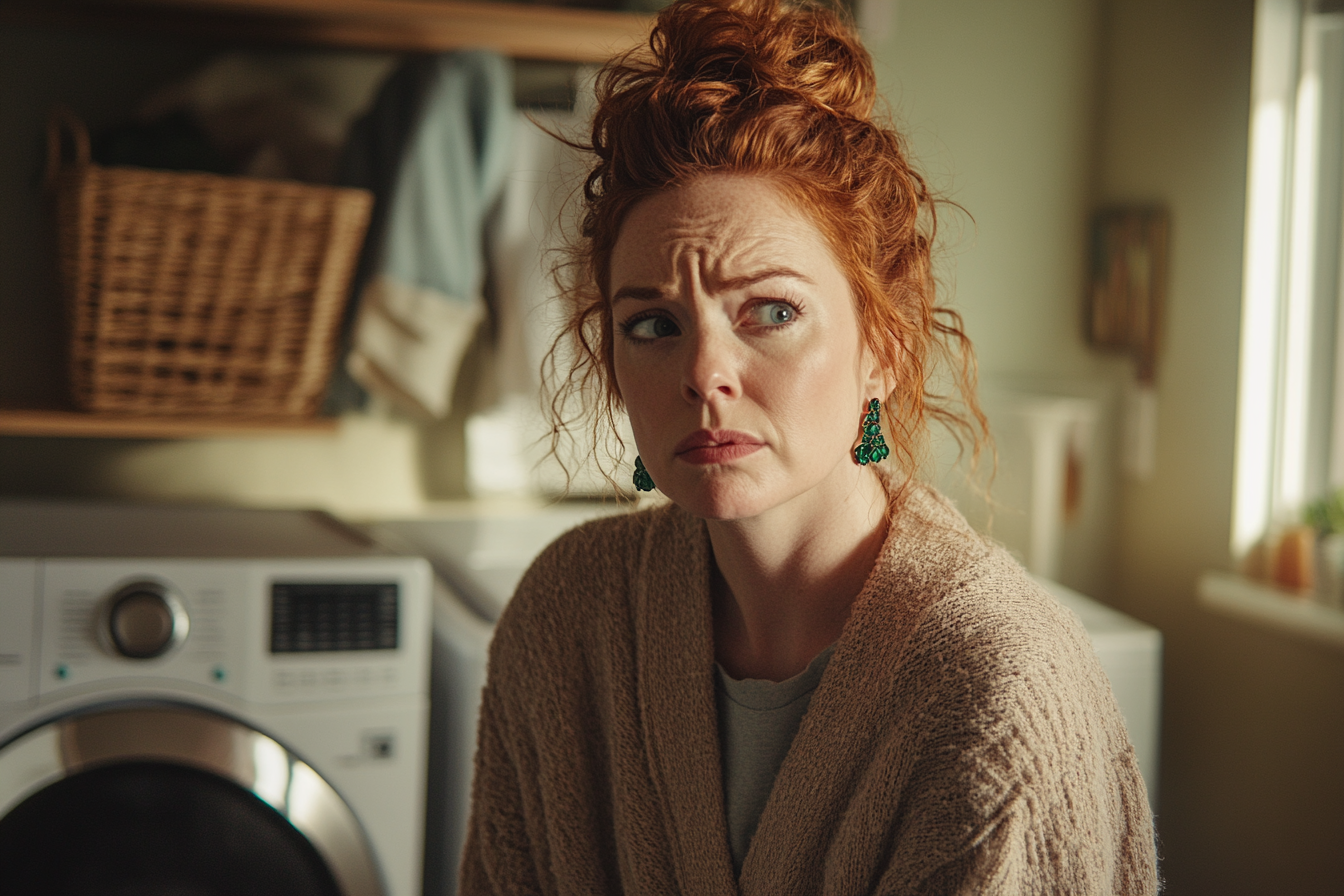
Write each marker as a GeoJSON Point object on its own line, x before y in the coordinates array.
{"type": "Point", "coordinates": [732, 314]}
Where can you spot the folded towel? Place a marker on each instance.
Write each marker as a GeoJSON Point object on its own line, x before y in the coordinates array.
{"type": "Point", "coordinates": [435, 148]}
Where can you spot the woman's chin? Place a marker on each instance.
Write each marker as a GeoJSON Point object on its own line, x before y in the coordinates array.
{"type": "Point", "coordinates": [723, 497]}
{"type": "Point", "coordinates": [735, 492]}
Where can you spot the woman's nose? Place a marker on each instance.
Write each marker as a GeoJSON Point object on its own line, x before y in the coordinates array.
{"type": "Point", "coordinates": [710, 368]}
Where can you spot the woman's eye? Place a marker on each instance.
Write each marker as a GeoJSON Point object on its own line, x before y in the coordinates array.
{"type": "Point", "coordinates": [773, 314]}
{"type": "Point", "coordinates": [654, 327]}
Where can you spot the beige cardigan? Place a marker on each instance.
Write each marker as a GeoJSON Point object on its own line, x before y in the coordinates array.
{"type": "Point", "coordinates": [963, 739]}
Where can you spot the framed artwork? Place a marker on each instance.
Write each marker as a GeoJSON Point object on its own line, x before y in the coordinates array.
{"type": "Point", "coordinates": [1128, 283]}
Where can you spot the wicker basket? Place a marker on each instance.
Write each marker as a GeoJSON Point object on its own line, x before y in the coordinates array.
{"type": "Point", "coordinates": [200, 294]}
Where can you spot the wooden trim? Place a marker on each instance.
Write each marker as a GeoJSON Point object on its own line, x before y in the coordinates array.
{"type": "Point", "coordinates": [518, 30]}
{"type": "Point", "coordinates": [77, 424]}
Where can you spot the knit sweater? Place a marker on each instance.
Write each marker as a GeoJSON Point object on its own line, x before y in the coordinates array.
{"type": "Point", "coordinates": [963, 739]}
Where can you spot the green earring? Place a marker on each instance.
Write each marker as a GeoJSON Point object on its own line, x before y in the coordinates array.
{"type": "Point", "coordinates": [643, 481]}
{"type": "Point", "coordinates": [873, 448]}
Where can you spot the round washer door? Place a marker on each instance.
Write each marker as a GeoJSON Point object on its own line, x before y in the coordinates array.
{"type": "Point", "coordinates": [172, 799]}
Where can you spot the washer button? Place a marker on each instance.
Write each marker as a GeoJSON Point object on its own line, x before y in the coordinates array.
{"type": "Point", "coordinates": [145, 620]}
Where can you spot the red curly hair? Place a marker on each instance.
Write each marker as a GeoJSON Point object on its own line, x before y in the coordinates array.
{"type": "Point", "coordinates": [784, 91]}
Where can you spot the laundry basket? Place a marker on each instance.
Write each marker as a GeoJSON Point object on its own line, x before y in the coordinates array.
{"type": "Point", "coordinates": [191, 293]}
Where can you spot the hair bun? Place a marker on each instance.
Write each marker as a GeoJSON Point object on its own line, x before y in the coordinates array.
{"type": "Point", "coordinates": [753, 53]}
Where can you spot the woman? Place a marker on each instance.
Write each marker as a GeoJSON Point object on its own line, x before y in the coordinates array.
{"type": "Point", "coordinates": [801, 675]}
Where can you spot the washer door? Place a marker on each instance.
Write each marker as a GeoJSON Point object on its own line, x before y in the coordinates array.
{"type": "Point", "coordinates": [172, 799]}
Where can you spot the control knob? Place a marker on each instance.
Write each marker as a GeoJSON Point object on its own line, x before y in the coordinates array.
{"type": "Point", "coordinates": [144, 620]}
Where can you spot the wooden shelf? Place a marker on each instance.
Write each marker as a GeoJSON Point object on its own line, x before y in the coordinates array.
{"type": "Point", "coordinates": [522, 31]}
{"type": "Point", "coordinates": [79, 424]}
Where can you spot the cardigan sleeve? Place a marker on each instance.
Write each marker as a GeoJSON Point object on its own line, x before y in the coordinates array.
{"type": "Point", "coordinates": [1069, 817]}
{"type": "Point", "coordinates": [541, 820]}
{"type": "Point", "coordinates": [1027, 782]}
{"type": "Point", "coordinates": [500, 857]}
{"type": "Point", "coordinates": [1022, 852]}
{"type": "Point", "coordinates": [995, 866]}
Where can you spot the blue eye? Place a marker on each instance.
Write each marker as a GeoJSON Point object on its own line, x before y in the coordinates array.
{"type": "Point", "coordinates": [774, 314]}
{"type": "Point", "coordinates": [652, 327]}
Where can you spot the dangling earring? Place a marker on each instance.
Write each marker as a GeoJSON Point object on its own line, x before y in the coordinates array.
{"type": "Point", "coordinates": [643, 481]}
{"type": "Point", "coordinates": [873, 447]}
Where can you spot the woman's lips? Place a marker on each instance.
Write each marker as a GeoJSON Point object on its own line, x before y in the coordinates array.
{"type": "Point", "coordinates": [717, 447]}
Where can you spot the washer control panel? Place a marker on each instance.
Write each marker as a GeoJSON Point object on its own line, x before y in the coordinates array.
{"type": "Point", "coordinates": [266, 631]}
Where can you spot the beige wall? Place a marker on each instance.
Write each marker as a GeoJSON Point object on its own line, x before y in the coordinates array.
{"type": "Point", "coordinates": [1253, 784]}
{"type": "Point", "coordinates": [997, 100]}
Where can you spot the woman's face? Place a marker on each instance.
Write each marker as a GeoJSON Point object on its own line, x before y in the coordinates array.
{"type": "Point", "coordinates": [737, 350]}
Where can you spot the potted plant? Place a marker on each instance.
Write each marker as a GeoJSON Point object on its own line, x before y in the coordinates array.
{"type": "Point", "coordinates": [1326, 516]}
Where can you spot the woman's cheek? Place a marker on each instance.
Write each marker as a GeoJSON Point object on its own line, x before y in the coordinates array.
{"type": "Point", "coordinates": [634, 395]}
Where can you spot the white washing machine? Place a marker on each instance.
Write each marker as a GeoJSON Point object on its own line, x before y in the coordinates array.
{"type": "Point", "coordinates": [209, 701]}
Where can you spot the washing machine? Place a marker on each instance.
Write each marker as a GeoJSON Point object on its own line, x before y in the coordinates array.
{"type": "Point", "coordinates": [201, 700]}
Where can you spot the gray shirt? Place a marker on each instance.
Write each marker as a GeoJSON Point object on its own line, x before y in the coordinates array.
{"type": "Point", "coordinates": [757, 722]}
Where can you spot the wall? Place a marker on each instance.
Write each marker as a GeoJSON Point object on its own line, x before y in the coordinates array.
{"type": "Point", "coordinates": [997, 100]}
{"type": "Point", "coordinates": [1254, 725]}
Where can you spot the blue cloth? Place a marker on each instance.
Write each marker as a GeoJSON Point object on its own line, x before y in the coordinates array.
{"type": "Point", "coordinates": [451, 174]}
{"type": "Point", "coordinates": [434, 148]}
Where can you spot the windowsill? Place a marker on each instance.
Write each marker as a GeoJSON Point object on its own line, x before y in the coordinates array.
{"type": "Point", "coordinates": [1261, 604]}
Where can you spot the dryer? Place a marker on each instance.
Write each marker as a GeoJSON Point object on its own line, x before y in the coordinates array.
{"type": "Point", "coordinates": [209, 701]}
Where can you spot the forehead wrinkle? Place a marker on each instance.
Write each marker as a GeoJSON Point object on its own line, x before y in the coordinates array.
{"type": "Point", "coordinates": [686, 260]}
{"type": "Point", "coordinates": [708, 247]}
{"type": "Point", "coordinates": [758, 257]}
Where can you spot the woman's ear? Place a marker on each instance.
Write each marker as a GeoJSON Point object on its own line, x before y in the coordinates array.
{"type": "Point", "coordinates": [878, 381]}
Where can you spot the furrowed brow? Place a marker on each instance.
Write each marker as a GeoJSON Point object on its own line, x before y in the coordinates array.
{"type": "Point", "coordinates": [760, 276]}
{"type": "Point", "coordinates": [641, 293]}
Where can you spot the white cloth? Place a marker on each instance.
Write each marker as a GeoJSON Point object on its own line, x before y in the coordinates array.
{"type": "Point", "coordinates": [421, 307]}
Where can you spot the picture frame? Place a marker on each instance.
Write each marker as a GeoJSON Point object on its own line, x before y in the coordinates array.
{"type": "Point", "coordinates": [1128, 280]}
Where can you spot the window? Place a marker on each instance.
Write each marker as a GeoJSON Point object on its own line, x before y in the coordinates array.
{"type": "Point", "coordinates": [1290, 420]}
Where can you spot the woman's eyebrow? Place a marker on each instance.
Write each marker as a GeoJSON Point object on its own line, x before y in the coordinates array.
{"type": "Point", "coordinates": [759, 276]}
{"type": "Point", "coordinates": [653, 293]}
{"type": "Point", "coordinates": [643, 293]}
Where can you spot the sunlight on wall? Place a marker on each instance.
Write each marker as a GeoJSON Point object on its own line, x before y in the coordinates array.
{"type": "Point", "coordinates": [369, 468]}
